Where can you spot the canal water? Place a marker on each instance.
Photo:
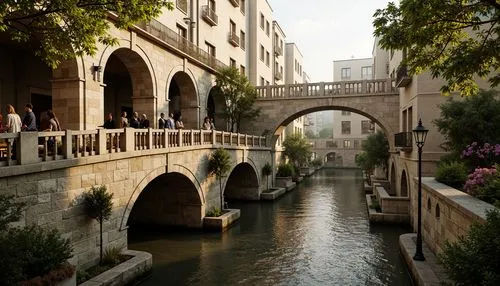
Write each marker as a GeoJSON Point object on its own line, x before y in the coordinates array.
{"type": "Point", "coordinates": [318, 234]}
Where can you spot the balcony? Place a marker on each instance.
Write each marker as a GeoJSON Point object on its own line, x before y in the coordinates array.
{"type": "Point", "coordinates": [176, 42]}
{"type": "Point", "coordinates": [403, 141]}
{"type": "Point", "coordinates": [233, 39]}
{"type": "Point", "coordinates": [278, 50]}
{"type": "Point", "coordinates": [236, 3]}
{"type": "Point", "coordinates": [209, 15]}
{"type": "Point", "coordinates": [278, 75]}
{"type": "Point", "coordinates": [402, 78]}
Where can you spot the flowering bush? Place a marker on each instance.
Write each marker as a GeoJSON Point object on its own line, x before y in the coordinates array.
{"type": "Point", "coordinates": [484, 183]}
{"type": "Point", "coordinates": [481, 156]}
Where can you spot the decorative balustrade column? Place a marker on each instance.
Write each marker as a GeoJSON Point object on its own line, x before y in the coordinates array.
{"type": "Point", "coordinates": [127, 140]}
{"type": "Point", "coordinates": [214, 137]}
{"type": "Point", "coordinates": [101, 142]}
{"type": "Point", "coordinates": [67, 145]}
{"type": "Point", "coordinates": [28, 148]}
{"type": "Point", "coordinates": [150, 139]}
{"type": "Point", "coordinates": [322, 91]}
{"type": "Point", "coordinates": [179, 137]}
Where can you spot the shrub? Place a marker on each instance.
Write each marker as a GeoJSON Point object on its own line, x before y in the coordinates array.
{"type": "Point", "coordinates": [453, 174]}
{"type": "Point", "coordinates": [475, 258]}
{"type": "Point", "coordinates": [10, 211]}
{"type": "Point", "coordinates": [285, 170]}
{"type": "Point", "coordinates": [481, 156]}
{"type": "Point", "coordinates": [29, 252]}
{"type": "Point", "coordinates": [317, 162]}
{"type": "Point", "coordinates": [267, 170]}
{"type": "Point", "coordinates": [214, 212]}
{"type": "Point", "coordinates": [484, 184]}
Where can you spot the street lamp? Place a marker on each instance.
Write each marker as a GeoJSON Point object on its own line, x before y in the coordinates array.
{"type": "Point", "coordinates": [420, 134]}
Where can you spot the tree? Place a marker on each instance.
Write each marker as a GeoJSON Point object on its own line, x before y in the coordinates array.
{"type": "Point", "coordinates": [474, 259]}
{"type": "Point", "coordinates": [376, 148]}
{"type": "Point", "coordinates": [473, 119]}
{"type": "Point", "coordinates": [10, 211]}
{"type": "Point", "coordinates": [326, 132]}
{"type": "Point", "coordinates": [297, 149]}
{"type": "Point", "coordinates": [239, 97]}
{"type": "Point", "coordinates": [98, 204]}
{"type": "Point", "coordinates": [361, 161]}
{"type": "Point", "coordinates": [310, 134]}
{"type": "Point", "coordinates": [219, 164]}
{"type": "Point", "coordinates": [267, 170]}
{"type": "Point", "coordinates": [69, 28]}
{"type": "Point", "coordinates": [455, 40]}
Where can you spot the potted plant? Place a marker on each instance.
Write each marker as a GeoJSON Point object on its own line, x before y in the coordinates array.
{"type": "Point", "coordinates": [267, 170]}
{"type": "Point", "coordinates": [98, 205]}
{"type": "Point", "coordinates": [284, 176]}
{"type": "Point", "coordinates": [219, 164]}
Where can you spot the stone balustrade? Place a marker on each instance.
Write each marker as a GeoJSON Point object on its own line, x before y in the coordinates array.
{"type": "Point", "coordinates": [321, 89]}
{"type": "Point", "coordinates": [36, 147]}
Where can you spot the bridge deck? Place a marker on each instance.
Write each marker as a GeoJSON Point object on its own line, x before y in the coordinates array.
{"type": "Point", "coordinates": [38, 147]}
{"type": "Point", "coordinates": [321, 89]}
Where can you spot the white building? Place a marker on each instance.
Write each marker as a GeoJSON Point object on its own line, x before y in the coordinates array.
{"type": "Point", "coordinates": [293, 64]}
{"type": "Point", "coordinates": [278, 54]}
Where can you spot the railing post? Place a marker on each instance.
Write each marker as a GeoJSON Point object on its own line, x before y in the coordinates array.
{"type": "Point", "coordinates": [222, 138]}
{"type": "Point", "coordinates": [231, 138]}
{"type": "Point", "coordinates": [238, 139]}
{"type": "Point", "coordinates": [322, 91]}
{"type": "Point", "coordinates": [342, 87]}
{"type": "Point", "coordinates": [388, 86]}
{"type": "Point", "coordinates": [127, 140]}
{"type": "Point", "coordinates": [191, 133]}
{"type": "Point", "coordinates": [179, 138]}
{"type": "Point", "coordinates": [101, 142]}
{"type": "Point", "coordinates": [305, 90]}
{"type": "Point", "coordinates": [150, 138]}
{"type": "Point", "coordinates": [28, 148]}
{"type": "Point", "coordinates": [214, 137]}
{"type": "Point", "coordinates": [246, 140]}
{"type": "Point", "coordinates": [67, 145]}
{"type": "Point", "coordinates": [364, 85]}
{"type": "Point", "coordinates": [287, 91]}
{"type": "Point", "coordinates": [268, 91]}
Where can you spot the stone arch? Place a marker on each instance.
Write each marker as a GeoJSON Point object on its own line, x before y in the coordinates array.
{"type": "Point", "coordinates": [137, 67]}
{"type": "Point", "coordinates": [182, 95]}
{"type": "Point", "coordinates": [404, 184]}
{"type": "Point", "coordinates": [148, 178]}
{"type": "Point", "coordinates": [170, 199]}
{"type": "Point", "coordinates": [243, 183]}
{"type": "Point", "coordinates": [215, 108]}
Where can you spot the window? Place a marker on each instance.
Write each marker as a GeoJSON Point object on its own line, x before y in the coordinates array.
{"type": "Point", "coordinates": [347, 144]}
{"type": "Point", "coordinates": [262, 81]}
{"type": "Point", "coordinates": [346, 127]}
{"type": "Point", "coordinates": [404, 117]}
{"type": "Point", "coordinates": [210, 49]}
{"type": "Point", "coordinates": [232, 27]}
{"type": "Point", "coordinates": [261, 52]}
{"type": "Point", "coordinates": [232, 62]}
{"type": "Point", "coordinates": [356, 144]}
{"type": "Point", "coordinates": [267, 28]}
{"type": "Point", "coordinates": [182, 5]}
{"type": "Point", "coordinates": [346, 113]}
{"type": "Point", "coordinates": [267, 58]}
{"type": "Point", "coordinates": [242, 6]}
{"type": "Point", "coordinates": [366, 126]}
{"type": "Point", "coordinates": [181, 31]}
{"type": "Point", "coordinates": [242, 70]}
{"type": "Point", "coordinates": [242, 40]}
{"type": "Point", "coordinates": [345, 73]}
{"type": "Point", "coordinates": [262, 20]}
{"type": "Point", "coordinates": [410, 118]}
{"type": "Point", "coordinates": [366, 72]}
{"type": "Point", "coordinates": [211, 5]}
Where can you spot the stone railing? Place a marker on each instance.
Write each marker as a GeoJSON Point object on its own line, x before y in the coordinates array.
{"type": "Point", "coordinates": [383, 86]}
{"type": "Point", "coordinates": [447, 213]}
{"type": "Point", "coordinates": [34, 147]}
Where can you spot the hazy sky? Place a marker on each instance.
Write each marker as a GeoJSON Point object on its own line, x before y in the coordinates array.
{"type": "Point", "coordinates": [327, 30]}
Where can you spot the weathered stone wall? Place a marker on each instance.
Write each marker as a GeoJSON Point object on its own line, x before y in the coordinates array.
{"type": "Point", "coordinates": [53, 191]}
{"type": "Point", "coordinates": [447, 213]}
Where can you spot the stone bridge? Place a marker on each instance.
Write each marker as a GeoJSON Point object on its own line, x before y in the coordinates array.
{"type": "Point", "coordinates": [156, 177]}
{"type": "Point", "coordinates": [280, 104]}
{"type": "Point", "coordinates": [333, 153]}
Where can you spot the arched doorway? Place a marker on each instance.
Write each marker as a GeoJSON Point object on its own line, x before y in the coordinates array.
{"type": "Point", "coordinates": [404, 184]}
{"type": "Point", "coordinates": [215, 108]}
{"type": "Point", "coordinates": [393, 180]}
{"type": "Point", "coordinates": [169, 200]}
{"type": "Point", "coordinates": [243, 183]}
{"type": "Point", "coordinates": [183, 100]}
{"type": "Point", "coordinates": [128, 85]}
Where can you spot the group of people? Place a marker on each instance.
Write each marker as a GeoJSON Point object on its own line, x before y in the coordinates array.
{"type": "Point", "coordinates": [172, 122]}
{"type": "Point", "coordinates": [14, 124]}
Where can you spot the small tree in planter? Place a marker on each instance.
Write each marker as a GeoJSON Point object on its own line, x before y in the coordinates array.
{"type": "Point", "coordinates": [98, 205]}
{"type": "Point", "coordinates": [267, 170]}
{"type": "Point", "coordinates": [219, 164]}
{"type": "Point", "coordinates": [297, 149]}
{"type": "Point", "coordinates": [285, 170]}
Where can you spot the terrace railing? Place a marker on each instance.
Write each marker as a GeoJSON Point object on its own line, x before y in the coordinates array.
{"type": "Point", "coordinates": [34, 147]}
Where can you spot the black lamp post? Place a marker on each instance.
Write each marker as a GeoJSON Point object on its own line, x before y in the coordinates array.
{"type": "Point", "coordinates": [420, 134]}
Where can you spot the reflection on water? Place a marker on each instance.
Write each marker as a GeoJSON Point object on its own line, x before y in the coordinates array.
{"type": "Point", "coordinates": [318, 234]}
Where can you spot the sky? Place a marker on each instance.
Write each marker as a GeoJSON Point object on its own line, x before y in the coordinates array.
{"type": "Point", "coordinates": [327, 30]}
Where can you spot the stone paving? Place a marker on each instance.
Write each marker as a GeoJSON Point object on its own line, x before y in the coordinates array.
{"type": "Point", "coordinates": [425, 273]}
